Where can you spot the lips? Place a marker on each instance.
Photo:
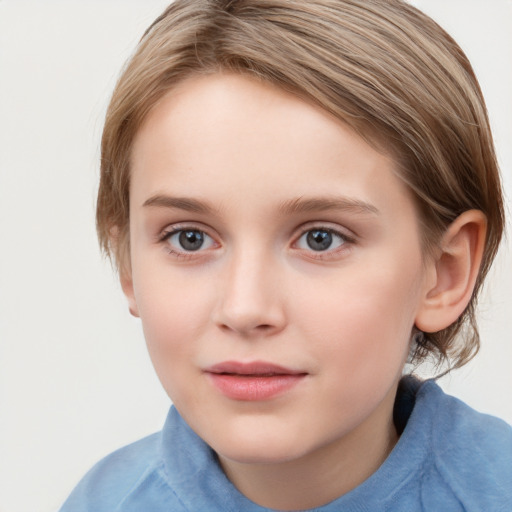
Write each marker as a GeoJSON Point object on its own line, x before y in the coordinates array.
{"type": "Point", "coordinates": [253, 381]}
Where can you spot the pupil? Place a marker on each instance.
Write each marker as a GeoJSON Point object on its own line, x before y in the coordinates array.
{"type": "Point", "coordinates": [191, 240]}
{"type": "Point", "coordinates": [319, 240]}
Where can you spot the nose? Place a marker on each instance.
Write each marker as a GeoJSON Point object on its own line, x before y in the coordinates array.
{"type": "Point", "coordinates": [249, 301]}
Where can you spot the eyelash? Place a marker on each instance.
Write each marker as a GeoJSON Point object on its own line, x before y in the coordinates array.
{"type": "Point", "coordinates": [346, 242]}
{"type": "Point", "coordinates": [182, 254]}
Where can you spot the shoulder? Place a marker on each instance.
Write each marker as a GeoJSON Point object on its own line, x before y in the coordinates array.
{"type": "Point", "coordinates": [121, 478]}
{"type": "Point", "coordinates": [471, 452]}
{"type": "Point", "coordinates": [461, 431]}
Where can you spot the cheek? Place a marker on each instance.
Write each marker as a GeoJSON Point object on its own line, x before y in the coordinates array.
{"type": "Point", "coordinates": [173, 320]}
{"type": "Point", "coordinates": [168, 299]}
{"type": "Point", "coordinates": [364, 319]}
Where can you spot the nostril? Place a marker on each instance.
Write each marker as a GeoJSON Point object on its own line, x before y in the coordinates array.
{"type": "Point", "coordinates": [248, 317]}
{"type": "Point", "coordinates": [261, 329]}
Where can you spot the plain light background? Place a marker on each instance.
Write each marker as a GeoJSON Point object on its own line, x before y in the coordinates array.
{"type": "Point", "coordinates": [75, 379]}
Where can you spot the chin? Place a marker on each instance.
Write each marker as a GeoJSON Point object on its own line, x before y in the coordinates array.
{"type": "Point", "coordinates": [248, 455]}
{"type": "Point", "coordinates": [259, 448]}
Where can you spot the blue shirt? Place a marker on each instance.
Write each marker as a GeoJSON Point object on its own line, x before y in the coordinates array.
{"type": "Point", "coordinates": [449, 458]}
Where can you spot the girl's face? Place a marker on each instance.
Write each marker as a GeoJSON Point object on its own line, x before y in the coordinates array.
{"type": "Point", "coordinates": [277, 269]}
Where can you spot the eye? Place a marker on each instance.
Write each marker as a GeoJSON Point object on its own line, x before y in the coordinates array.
{"type": "Point", "coordinates": [321, 239]}
{"type": "Point", "coordinates": [188, 240]}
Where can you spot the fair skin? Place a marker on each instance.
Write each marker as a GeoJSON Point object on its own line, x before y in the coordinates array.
{"type": "Point", "coordinates": [264, 230]}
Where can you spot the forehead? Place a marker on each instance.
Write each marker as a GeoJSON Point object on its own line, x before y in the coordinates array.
{"type": "Point", "coordinates": [218, 135]}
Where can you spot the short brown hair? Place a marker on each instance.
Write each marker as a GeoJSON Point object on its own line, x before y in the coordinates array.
{"type": "Point", "coordinates": [381, 66]}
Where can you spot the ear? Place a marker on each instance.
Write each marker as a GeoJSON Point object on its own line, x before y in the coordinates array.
{"type": "Point", "coordinates": [120, 242]}
{"type": "Point", "coordinates": [127, 286]}
{"type": "Point", "coordinates": [453, 272]}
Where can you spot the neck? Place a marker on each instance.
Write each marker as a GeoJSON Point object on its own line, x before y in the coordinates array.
{"type": "Point", "coordinates": [323, 475]}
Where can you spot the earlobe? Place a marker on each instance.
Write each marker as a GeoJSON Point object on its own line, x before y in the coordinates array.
{"type": "Point", "coordinates": [454, 272]}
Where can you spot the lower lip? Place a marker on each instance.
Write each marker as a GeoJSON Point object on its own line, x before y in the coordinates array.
{"type": "Point", "coordinates": [252, 387]}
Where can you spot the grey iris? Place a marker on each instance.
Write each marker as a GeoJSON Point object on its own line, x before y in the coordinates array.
{"type": "Point", "coordinates": [319, 240]}
{"type": "Point", "coordinates": [191, 240]}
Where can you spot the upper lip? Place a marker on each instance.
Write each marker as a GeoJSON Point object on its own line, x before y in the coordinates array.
{"type": "Point", "coordinates": [251, 368]}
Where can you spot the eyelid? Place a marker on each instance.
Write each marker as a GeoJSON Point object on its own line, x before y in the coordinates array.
{"type": "Point", "coordinates": [348, 236]}
{"type": "Point", "coordinates": [164, 236]}
{"type": "Point", "coordinates": [326, 226]}
{"type": "Point", "coordinates": [170, 229]}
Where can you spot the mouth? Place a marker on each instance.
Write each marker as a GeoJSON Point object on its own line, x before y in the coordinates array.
{"type": "Point", "coordinates": [253, 381]}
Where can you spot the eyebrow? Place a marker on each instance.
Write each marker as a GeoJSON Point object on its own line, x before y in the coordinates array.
{"type": "Point", "coordinates": [289, 207]}
{"type": "Point", "coordinates": [322, 204]}
{"type": "Point", "coordinates": [180, 203]}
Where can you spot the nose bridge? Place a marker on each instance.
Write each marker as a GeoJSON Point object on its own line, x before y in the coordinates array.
{"type": "Point", "coordinates": [250, 298]}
